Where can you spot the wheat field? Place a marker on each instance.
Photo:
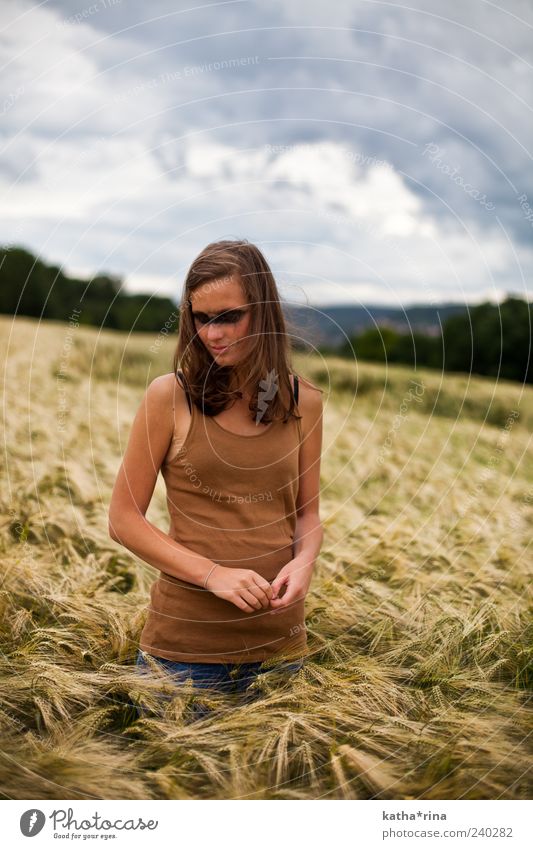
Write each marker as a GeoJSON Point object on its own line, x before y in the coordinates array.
{"type": "Point", "coordinates": [419, 675]}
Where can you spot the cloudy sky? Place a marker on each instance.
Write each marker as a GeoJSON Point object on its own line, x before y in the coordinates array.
{"type": "Point", "coordinates": [376, 152]}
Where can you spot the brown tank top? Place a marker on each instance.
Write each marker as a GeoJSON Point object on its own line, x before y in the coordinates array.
{"type": "Point", "coordinates": [231, 498]}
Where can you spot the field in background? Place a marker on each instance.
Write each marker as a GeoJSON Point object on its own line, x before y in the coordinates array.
{"type": "Point", "coordinates": [419, 678]}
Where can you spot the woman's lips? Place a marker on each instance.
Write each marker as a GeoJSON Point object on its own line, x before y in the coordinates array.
{"type": "Point", "coordinates": [219, 350]}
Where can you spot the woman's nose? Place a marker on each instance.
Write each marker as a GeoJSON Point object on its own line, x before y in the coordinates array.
{"type": "Point", "coordinates": [214, 332]}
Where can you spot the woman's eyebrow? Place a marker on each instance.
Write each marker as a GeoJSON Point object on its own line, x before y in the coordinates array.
{"type": "Point", "coordinates": [216, 314]}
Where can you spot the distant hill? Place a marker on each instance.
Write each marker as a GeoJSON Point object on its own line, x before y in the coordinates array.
{"type": "Point", "coordinates": [328, 326]}
{"type": "Point", "coordinates": [30, 286]}
{"type": "Point", "coordinates": [488, 339]}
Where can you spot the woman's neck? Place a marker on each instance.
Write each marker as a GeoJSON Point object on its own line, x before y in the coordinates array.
{"type": "Point", "coordinates": [237, 383]}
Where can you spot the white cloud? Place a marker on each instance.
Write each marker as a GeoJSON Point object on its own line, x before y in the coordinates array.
{"type": "Point", "coordinates": [79, 178]}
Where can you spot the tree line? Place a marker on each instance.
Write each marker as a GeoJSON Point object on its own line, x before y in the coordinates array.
{"type": "Point", "coordinates": [487, 339]}
{"type": "Point", "coordinates": [30, 287]}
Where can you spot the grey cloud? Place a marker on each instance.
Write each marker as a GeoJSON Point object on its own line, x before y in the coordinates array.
{"type": "Point", "coordinates": [441, 82]}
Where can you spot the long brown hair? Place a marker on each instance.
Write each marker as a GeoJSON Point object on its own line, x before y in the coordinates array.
{"type": "Point", "coordinates": [270, 357]}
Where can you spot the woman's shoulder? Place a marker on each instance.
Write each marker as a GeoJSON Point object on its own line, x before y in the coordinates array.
{"type": "Point", "coordinates": [165, 391]}
{"type": "Point", "coordinates": [308, 394]}
{"type": "Point", "coordinates": [309, 404]}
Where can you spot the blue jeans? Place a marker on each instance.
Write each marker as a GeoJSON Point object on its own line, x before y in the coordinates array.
{"type": "Point", "coordinates": [222, 677]}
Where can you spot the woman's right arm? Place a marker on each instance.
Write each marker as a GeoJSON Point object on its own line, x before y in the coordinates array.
{"type": "Point", "coordinates": [148, 444]}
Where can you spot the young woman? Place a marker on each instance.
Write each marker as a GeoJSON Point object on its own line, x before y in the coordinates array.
{"type": "Point", "coordinates": [238, 439]}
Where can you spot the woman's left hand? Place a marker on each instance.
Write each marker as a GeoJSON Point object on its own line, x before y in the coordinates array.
{"type": "Point", "coordinates": [295, 576]}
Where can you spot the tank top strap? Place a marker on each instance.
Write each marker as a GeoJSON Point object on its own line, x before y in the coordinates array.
{"type": "Point", "coordinates": [295, 393]}
{"type": "Point", "coordinates": [184, 384]}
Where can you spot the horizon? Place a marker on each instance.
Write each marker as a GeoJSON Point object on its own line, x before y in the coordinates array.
{"type": "Point", "coordinates": [125, 289]}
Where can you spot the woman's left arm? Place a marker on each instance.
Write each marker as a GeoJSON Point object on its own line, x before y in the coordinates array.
{"type": "Point", "coordinates": [297, 573]}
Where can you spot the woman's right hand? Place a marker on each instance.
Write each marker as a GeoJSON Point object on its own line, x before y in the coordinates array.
{"type": "Point", "coordinates": [243, 587]}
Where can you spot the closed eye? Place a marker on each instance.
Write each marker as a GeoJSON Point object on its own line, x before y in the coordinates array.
{"type": "Point", "coordinates": [229, 317]}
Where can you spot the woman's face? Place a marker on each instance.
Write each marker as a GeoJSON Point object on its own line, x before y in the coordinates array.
{"type": "Point", "coordinates": [227, 337]}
